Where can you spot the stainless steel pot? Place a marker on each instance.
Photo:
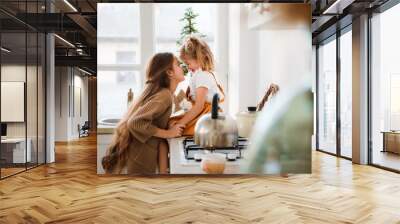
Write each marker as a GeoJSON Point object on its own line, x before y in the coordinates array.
{"type": "Point", "coordinates": [214, 130]}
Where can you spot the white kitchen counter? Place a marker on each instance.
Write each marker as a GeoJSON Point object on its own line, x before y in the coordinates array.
{"type": "Point", "coordinates": [105, 129]}
{"type": "Point", "coordinates": [179, 165]}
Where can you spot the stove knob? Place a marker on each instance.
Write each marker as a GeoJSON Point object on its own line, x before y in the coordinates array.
{"type": "Point", "coordinates": [231, 157]}
{"type": "Point", "coordinates": [197, 157]}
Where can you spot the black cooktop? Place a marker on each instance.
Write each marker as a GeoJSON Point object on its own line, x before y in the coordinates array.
{"type": "Point", "coordinates": [190, 148]}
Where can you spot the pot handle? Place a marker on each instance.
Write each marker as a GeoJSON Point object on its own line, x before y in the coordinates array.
{"type": "Point", "coordinates": [214, 106]}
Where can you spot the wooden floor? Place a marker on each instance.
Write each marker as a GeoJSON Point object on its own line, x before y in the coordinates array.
{"type": "Point", "coordinates": [386, 159]}
{"type": "Point", "coordinates": [10, 171]}
{"type": "Point", "coordinates": [69, 191]}
{"type": "Point", "coordinates": [5, 172]}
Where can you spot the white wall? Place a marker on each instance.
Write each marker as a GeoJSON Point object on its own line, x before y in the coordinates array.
{"type": "Point", "coordinates": [79, 117]}
{"type": "Point", "coordinates": [243, 61]}
{"type": "Point", "coordinates": [249, 50]}
{"type": "Point", "coordinates": [273, 52]}
{"type": "Point", "coordinates": [11, 73]}
{"type": "Point", "coordinates": [61, 103]}
{"type": "Point", "coordinates": [14, 73]}
{"type": "Point", "coordinates": [285, 46]}
{"type": "Point", "coordinates": [69, 82]}
{"type": "Point", "coordinates": [286, 58]}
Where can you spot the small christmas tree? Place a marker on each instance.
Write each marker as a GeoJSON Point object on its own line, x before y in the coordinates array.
{"type": "Point", "coordinates": [187, 30]}
{"type": "Point", "coordinates": [189, 26]}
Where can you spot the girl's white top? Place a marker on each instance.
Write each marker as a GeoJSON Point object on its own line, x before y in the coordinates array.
{"type": "Point", "coordinates": [205, 79]}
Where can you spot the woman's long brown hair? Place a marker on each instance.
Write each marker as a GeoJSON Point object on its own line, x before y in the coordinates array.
{"type": "Point", "coordinates": [156, 79]}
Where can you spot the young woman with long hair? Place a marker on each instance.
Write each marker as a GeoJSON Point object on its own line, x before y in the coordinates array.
{"type": "Point", "coordinates": [137, 137]}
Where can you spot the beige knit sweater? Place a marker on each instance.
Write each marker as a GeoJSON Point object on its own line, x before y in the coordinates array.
{"type": "Point", "coordinates": [150, 115]}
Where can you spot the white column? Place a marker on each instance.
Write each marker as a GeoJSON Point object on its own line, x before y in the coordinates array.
{"type": "Point", "coordinates": [360, 90]}
{"type": "Point", "coordinates": [234, 54]}
{"type": "Point", "coordinates": [249, 62]}
{"type": "Point", "coordinates": [243, 61]}
{"type": "Point", "coordinates": [146, 34]}
{"type": "Point", "coordinates": [50, 99]}
{"type": "Point", "coordinates": [221, 50]}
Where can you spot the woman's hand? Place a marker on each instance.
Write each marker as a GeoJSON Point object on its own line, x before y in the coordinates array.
{"type": "Point", "coordinates": [176, 130]}
{"type": "Point", "coordinates": [171, 123]}
{"type": "Point", "coordinates": [172, 132]}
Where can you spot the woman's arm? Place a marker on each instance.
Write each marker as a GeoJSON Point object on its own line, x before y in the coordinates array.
{"type": "Point", "coordinates": [201, 94]}
{"type": "Point", "coordinates": [140, 124]}
{"type": "Point", "coordinates": [173, 132]}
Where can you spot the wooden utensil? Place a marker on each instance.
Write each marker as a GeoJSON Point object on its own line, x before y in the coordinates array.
{"type": "Point", "coordinates": [272, 90]}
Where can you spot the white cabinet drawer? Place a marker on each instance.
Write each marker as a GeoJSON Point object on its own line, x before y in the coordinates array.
{"type": "Point", "coordinates": [104, 139]}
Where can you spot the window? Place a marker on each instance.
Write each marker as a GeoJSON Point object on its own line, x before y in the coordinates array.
{"type": "Point", "coordinates": [124, 45]}
{"type": "Point", "coordinates": [126, 57]}
{"type": "Point", "coordinates": [22, 75]}
{"type": "Point", "coordinates": [168, 27]}
{"type": "Point", "coordinates": [346, 94]}
{"type": "Point", "coordinates": [385, 88]}
{"type": "Point", "coordinates": [327, 97]}
{"type": "Point", "coordinates": [118, 31]}
{"type": "Point", "coordinates": [113, 87]}
{"type": "Point", "coordinates": [394, 101]}
{"type": "Point", "coordinates": [119, 63]}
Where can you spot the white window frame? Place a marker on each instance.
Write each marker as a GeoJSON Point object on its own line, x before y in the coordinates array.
{"type": "Point", "coordinates": [147, 44]}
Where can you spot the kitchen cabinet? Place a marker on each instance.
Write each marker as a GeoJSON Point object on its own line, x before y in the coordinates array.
{"type": "Point", "coordinates": [103, 140]}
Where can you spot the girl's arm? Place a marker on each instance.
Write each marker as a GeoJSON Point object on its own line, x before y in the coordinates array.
{"type": "Point", "coordinates": [201, 94]}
